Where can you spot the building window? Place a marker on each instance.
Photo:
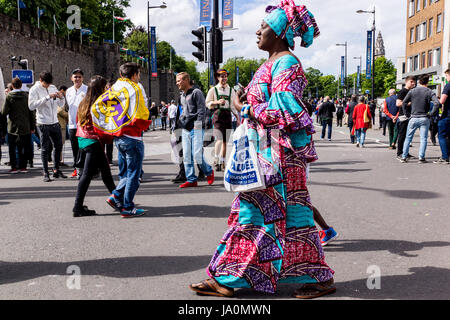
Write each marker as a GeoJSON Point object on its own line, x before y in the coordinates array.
{"type": "Point", "coordinates": [417, 33]}
{"type": "Point", "coordinates": [425, 3]}
{"type": "Point", "coordinates": [409, 65]}
{"type": "Point", "coordinates": [423, 61]}
{"type": "Point", "coordinates": [411, 8]}
{"type": "Point", "coordinates": [416, 63]}
{"type": "Point", "coordinates": [439, 23]}
{"type": "Point", "coordinates": [423, 31]}
{"type": "Point", "coordinates": [437, 57]}
{"type": "Point", "coordinates": [418, 5]}
{"type": "Point", "coordinates": [430, 28]}
{"type": "Point", "coordinates": [430, 58]}
{"type": "Point", "coordinates": [411, 35]}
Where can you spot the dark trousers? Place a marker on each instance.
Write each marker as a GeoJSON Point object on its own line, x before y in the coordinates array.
{"type": "Point", "coordinates": [327, 123]}
{"type": "Point", "coordinates": [109, 152]}
{"type": "Point", "coordinates": [339, 118]}
{"type": "Point", "coordinates": [433, 131]}
{"type": "Point", "coordinates": [74, 143]}
{"type": "Point", "coordinates": [402, 127]}
{"type": "Point", "coordinates": [94, 160]}
{"type": "Point", "coordinates": [163, 123]}
{"type": "Point", "coordinates": [392, 129]}
{"type": "Point", "coordinates": [352, 136]}
{"type": "Point", "coordinates": [50, 135]}
{"type": "Point", "coordinates": [19, 145]}
{"type": "Point", "coordinates": [383, 124]}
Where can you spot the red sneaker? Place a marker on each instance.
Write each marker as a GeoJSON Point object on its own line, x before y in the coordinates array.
{"type": "Point", "coordinates": [74, 173]}
{"type": "Point", "coordinates": [210, 178]}
{"type": "Point", "coordinates": [189, 184]}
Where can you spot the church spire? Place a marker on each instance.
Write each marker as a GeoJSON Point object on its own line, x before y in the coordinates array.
{"type": "Point", "coordinates": [379, 46]}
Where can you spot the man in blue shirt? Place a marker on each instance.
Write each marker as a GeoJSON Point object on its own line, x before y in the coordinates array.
{"type": "Point", "coordinates": [391, 111]}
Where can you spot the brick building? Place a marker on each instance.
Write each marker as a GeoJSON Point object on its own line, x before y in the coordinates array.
{"type": "Point", "coordinates": [46, 51]}
{"type": "Point", "coordinates": [427, 41]}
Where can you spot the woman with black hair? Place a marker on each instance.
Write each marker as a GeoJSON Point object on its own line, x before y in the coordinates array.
{"type": "Point", "coordinates": [91, 148]}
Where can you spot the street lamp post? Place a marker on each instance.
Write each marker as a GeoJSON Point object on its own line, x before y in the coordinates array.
{"type": "Point", "coordinates": [373, 49]}
{"type": "Point", "coordinates": [162, 6]}
{"type": "Point", "coordinates": [345, 75]}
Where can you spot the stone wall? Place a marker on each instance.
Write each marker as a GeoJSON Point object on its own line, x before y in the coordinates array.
{"type": "Point", "coordinates": [47, 52]}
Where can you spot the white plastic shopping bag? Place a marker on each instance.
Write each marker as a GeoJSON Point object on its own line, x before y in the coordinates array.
{"type": "Point", "coordinates": [243, 172]}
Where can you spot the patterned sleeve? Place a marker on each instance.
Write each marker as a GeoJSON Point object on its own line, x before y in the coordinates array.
{"type": "Point", "coordinates": [285, 109]}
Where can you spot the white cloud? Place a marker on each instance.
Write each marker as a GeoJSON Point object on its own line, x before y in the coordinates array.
{"type": "Point", "coordinates": [337, 20]}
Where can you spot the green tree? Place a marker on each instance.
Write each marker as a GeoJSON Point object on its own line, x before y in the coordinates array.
{"type": "Point", "coordinates": [385, 76]}
{"type": "Point", "coordinates": [314, 86]}
{"type": "Point", "coordinates": [95, 15]}
{"type": "Point", "coordinates": [329, 86]}
{"type": "Point", "coordinates": [137, 41]}
{"type": "Point", "coordinates": [247, 68]}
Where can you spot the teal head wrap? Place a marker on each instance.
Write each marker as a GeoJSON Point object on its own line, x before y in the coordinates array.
{"type": "Point", "coordinates": [289, 21]}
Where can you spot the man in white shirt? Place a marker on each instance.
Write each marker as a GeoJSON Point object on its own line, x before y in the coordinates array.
{"type": "Point", "coordinates": [45, 98]}
{"type": "Point", "coordinates": [172, 115]}
{"type": "Point", "coordinates": [74, 96]}
{"type": "Point", "coordinates": [220, 99]}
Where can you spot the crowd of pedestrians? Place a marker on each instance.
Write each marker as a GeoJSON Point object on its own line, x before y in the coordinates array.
{"type": "Point", "coordinates": [401, 114]}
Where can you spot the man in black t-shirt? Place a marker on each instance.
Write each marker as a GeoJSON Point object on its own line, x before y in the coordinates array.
{"type": "Point", "coordinates": [410, 83]}
{"type": "Point", "coordinates": [444, 122]}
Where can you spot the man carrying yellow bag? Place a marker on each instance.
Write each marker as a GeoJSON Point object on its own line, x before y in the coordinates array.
{"type": "Point", "coordinates": [121, 112]}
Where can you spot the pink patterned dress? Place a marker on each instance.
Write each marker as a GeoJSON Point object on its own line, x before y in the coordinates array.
{"type": "Point", "coordinates": [271, 236]}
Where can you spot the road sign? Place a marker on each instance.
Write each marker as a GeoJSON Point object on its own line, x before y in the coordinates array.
{"type": "Point", "coordinates": [26, 76]}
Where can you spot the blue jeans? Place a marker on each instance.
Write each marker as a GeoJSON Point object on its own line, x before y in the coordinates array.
{"type": "Point", "coordinates": [444, 135]}
{"type": "Point", "coordinates": [423, 124]}
{"type": "Point", "coordinates": [350, 127]}
{"type": "Point", "coordinates": [193, 152]}
{"type": "Point", "coordinates": [326, 123]}
{"type": "Point", "coordinates": [360, 136]}
{"type": "Point", "coordinates": [131, 156]}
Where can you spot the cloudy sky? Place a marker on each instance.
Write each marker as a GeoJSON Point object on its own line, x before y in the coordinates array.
{"type": "Point", "coordinates": [337, 20]}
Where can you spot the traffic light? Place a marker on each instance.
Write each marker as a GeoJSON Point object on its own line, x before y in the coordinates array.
{"type": "Point", "coordinates": [23, 63]}
{"type": "Point", "coordinates": [201, 43]}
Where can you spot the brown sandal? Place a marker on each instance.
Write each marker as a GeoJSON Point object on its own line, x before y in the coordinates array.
{"type": "Point", "coordinates": [315, 290]}
{"type": "Point", "coordinates": [210, 287]}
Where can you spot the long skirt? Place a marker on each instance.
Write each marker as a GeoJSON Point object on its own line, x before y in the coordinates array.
{"type": "Point", "coordinates": [271, 236]}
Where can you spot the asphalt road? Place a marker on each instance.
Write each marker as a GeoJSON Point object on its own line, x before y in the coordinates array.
{"type": "Point", "coordinates": [392, 220]}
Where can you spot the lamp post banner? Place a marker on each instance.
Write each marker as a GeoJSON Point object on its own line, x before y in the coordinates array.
{"type": "Point", "coordinates": [369, 55]}
{"type": "Point", "coordinates": [343, 70]}
{"type": "Point", "coordinates": [358, 77]}
{"type": "Point", "coordinates": [205, 13]}
{"type": "Point", "coordinates": [153, 57]}
{"type": "Point", "coordinates": [227, 14]}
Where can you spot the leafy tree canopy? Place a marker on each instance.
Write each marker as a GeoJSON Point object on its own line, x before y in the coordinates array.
{"type": "Point", "coordinates": [96, 15]}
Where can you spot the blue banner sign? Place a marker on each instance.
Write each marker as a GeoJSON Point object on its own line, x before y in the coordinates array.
{"type": "Point", "coordinates": [227, 14]}
{"type": "Point", "coordinates": [343, 71]}
{"type": "Point", "coordinates": [358, 77]}
{"type": "Point", "coordinates": [153, 57]}
{"type": "Point", "coordinates": [205, 13]}
{"type": "Point", "coordinates": [369, 55]}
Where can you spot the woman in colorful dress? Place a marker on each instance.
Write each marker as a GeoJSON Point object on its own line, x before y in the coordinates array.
{"type": "Point", "coordinates": [272, 237]}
